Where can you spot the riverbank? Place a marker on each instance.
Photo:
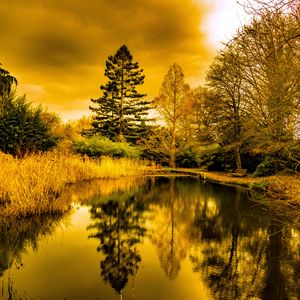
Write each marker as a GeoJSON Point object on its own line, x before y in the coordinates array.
{"type": "Point", "coordinates": [33, 185]}
{"type": "Point", "coordinates": [280, 193]}
{"type": "Point", "coordinates": [218, 177]}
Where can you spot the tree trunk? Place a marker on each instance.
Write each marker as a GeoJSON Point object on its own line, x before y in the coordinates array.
{"type": "Point", "coordinates": [276, 163]}
{"type": "Point", "coordinates": [173, 147]}
{"type": "Point", "coordinates": [173, 155]}
{"type": "Point", "coordinates": [238, 160]}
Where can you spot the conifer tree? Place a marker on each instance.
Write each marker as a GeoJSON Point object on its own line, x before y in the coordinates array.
{"type": "Point", "coordinates": [121, 112]}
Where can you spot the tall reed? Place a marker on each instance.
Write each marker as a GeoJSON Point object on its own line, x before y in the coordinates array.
{"type": "Point", "coordinates": [33, 185]}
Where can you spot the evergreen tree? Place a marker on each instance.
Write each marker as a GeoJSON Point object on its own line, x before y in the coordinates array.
{"type": "Point", "coordinates": [22, 129]}
{"type": "Point", "coordinates": [121, 111]}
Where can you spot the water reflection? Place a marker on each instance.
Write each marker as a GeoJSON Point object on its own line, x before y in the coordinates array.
{"type": "Point", "coordinates": [165, 230]}
{"type": "Point", "coordinates": [16, 236]}
{"type": "Point", "coordinates": [190, 239]}
{"type": "Point", "coordinates": [119, 228]}
{"type": "Point", "coordinates": [238, 250]}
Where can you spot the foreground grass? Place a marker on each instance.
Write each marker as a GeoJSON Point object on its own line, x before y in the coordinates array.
{"type": "Point", "coordinates": [34, 184]}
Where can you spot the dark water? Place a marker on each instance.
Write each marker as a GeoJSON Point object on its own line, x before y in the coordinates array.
{"type": "Point", "coordinates": [156, 238]}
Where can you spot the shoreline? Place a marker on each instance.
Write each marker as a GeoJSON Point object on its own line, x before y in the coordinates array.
{"type": "Point", "coordinates": [217, 177]}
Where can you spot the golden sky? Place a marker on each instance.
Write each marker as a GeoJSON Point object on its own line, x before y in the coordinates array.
{"type": "Point", "coordinates": [57, 48]}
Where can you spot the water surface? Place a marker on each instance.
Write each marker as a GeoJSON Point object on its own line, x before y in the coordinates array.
{"type": "Point", "coordinates": [152, 238]}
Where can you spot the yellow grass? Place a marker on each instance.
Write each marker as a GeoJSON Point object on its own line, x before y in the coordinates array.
{"type": "Point", "coordinates": [33, 185]}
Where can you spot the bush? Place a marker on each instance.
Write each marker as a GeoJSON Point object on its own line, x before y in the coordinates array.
{"type": "Point", "coordinates": [98, 146]}
{"type": "Point", "coordinates": [22, 129]}
{"type": "Point", "coordinates": [186, 159]}
{"type": "Point", "coordinates": [218, 160]}
{"type": "Point", "coordinates": [265, 168]}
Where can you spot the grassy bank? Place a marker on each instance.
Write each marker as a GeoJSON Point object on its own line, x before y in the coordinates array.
{"type": "Point", "coordinates": [281, 194]}
{"type": "Point", "coordinates": [33, 185]}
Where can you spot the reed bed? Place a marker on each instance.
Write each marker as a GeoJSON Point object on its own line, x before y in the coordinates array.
{"type": "Point", "coordinates": [33, 185]}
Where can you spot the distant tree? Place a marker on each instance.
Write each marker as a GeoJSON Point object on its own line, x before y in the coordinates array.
{"type": "Point", "coordinates": [6, 82]}
{"type": "Point", "coordinates": [174, 103]}
{"type": "Point", "coordinates": [22, 129]}
{"type": "Point", "coordinates": [121, 113]}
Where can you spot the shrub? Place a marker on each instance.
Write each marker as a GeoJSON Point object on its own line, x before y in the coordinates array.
{"type": "Point", "coordinates": [218, 160]}
{"type": "Point", "coordinates": [98, 146]}
{"type": "Point", "coordinates": [265, 168]}
{"type": "Point", "coordinates": [186, 159]}
{"type": "Point", "coordinates": [22, 129]}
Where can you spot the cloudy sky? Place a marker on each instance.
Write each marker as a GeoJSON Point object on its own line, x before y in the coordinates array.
{"type": "Point", "coordinates": [57, 48]}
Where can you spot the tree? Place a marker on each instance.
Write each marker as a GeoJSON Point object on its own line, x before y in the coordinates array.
{"type": "Point", "coordinates": [202, 125]}
{"type": "Point", "coordinates": [174, 103]}
{"type": "Point", "coordinates": [271, 74]}
{"type": "Point", "coordinates": [225, 79]}
{"type": "Point", "coordinates": [6, 82]}
{"type": "Point", "coordinates": [22, 129]}
{"type": "Point", "coordinates": [121, 111]}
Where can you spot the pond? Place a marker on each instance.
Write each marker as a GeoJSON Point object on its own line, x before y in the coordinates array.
{"type": "Point", "coordinates": [151, 238]}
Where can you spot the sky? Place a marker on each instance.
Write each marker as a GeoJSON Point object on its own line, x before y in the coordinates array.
{"type": "Point", "coordinates": [57, 48]}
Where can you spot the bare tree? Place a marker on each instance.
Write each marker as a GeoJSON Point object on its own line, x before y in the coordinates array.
{"type": "Point", "coordinates": [271, 73]}
{"type": "Point", "coordinates": [226, 106]}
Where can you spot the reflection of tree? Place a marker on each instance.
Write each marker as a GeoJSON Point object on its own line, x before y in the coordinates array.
{"type": "Point", "coordinates": [275, 283]}
{"type": "Point", "coordinates": [167, 236]}
{"type": "Point", "coordinates": [283, 266]}
{"type": "Point", "coordinates": [17, 234]}
{"type": "Point", "coordinates": [232, 263]}
{"type": "Point", "coordinates": [242, 254]}
{"type": "Point", "coordinates": [119, 228]}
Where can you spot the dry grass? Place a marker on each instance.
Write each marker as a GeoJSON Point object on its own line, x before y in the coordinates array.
{"type": "Point", "coordinates": [33, 185]}
{"type": "Point", "coordinates": [282, 195]}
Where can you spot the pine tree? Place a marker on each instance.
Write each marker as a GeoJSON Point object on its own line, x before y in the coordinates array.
{"type": "Point", "coordinates": [121, 112]}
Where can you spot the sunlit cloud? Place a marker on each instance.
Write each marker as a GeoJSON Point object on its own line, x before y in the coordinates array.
{"type": "Point", "coordinates": [57, 49]}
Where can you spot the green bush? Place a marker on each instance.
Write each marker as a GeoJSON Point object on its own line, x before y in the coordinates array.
{"type": "Point", "coordinates": [265, 168]}
{"type": "Point", "coordinates": [186, 159]}
{"type": "Point", "coordinates": [99, 146]}
{"type": "Point", "coordinates": [218, 160]}
{"type": "Point", "coordinates": [22, 129]}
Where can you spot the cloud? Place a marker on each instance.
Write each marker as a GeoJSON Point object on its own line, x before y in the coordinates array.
{"type": "Point", "coordinates": [62, 45]}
